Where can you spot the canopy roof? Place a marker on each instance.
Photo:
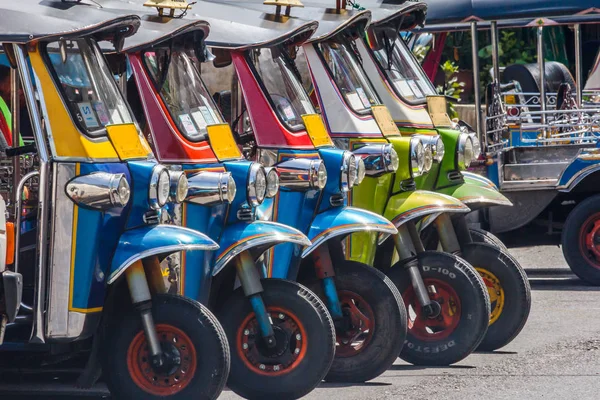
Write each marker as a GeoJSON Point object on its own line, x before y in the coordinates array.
{"type": "Point", "coordinates": [329, 22]}
{"type": "Point", "coordinates": [154, 29]}
{"type": "Point", "coordinates": [464, 11]}
{"type": "Point", "coordinates": [233, 26]}
{"type": "Point", "coordinates": [23, 21]}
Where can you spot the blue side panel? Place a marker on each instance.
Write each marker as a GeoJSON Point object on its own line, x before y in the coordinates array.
{"type": "Point", "coordinates": [575, 167]}
{"type": "Point", "coordinates": [141, 172]}
{"type": "Point", "coordinates": [492, 171]}
{"type": "Point", "coordinates": [97, 238]}
{"type": "Point", "coordinates": [526, 138]}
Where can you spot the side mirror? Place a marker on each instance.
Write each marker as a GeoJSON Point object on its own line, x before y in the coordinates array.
{"type": "Point", "coordinates": [222, 58]}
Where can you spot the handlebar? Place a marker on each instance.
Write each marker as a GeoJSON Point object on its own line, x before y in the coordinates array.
{"type": "Point", "coordinates": [17, 151]}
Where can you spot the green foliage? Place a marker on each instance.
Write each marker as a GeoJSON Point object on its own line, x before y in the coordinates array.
{"type": "Point", "coordinates": [511, 50]}
{"type": "Point", "coordinates": [420, 51]}
{"type": "Point", "coordinates": [452, 87]}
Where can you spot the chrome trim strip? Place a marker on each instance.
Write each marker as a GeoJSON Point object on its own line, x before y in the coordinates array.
{"type": "Point", "coordinates": [154, 251]}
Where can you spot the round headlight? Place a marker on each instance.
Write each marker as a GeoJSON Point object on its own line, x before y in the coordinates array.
{"type": "Point", "coordinates": [317, 174]}
{"type": "Point", "coordinates": [230, 189]}
{"type": "Point", "coordinates": [272, 183]}
{"type": "Point", "coordinates": [417, 157]}
{"type": "Point", "coordinates": [428, 156]}
{"type": "Point", "coordinates": [439, 150]}
{"type": "Point", "coordinates": [476, 146]}
{"type": "Point", "coordinates": [121, 195]}
{"type": "Point", "coordinates": [391, 157]}
{"type": "Point", "coordinates": [352, 171]}
{"type": "Point", "coordinates": [360, 171]}
{"type": "Point", "coordinates": [257, 185]}
{"type": "Point", "coordinates": [346, 176]}
{"type": "Point", "coordinates": [158, 192]}
{"type": "Point", "coordinates": [464, 151]}
{"type": "Point", "coordinates": [178, 186]}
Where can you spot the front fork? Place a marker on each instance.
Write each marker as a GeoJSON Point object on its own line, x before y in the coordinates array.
{"type": "Point", "coordinates": [409, 245]}
{"type": "Point", "coordinates": [143, 276]}
{"type": "Point", "coordinates": [325, 272]}
{"type": "Point", "coordinates": [452, 233]}
{"type": "Point", "coordinates": [250, 282]}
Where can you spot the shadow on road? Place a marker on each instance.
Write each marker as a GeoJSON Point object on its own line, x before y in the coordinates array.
{"type": "Point", "coordinates": [418, 367]}
{"type": "Point", "coordinates": [328, 385]}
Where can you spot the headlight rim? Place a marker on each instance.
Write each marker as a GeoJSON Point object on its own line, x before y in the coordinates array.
{"type": "Point", "coordinates": [415, 166]}
{"type": "Point", "coordinates": [177, 178]}
{"type": "Point", "coordinates": [317, 166]}
{"type": "Point", "coordinates": [153, 189]}
{"type": "Point", "coordinates": [461, 163]}
{"type": "Point", "coordinates": [252, 196]}
{"type": "Point", "coordinates": [271, 176]}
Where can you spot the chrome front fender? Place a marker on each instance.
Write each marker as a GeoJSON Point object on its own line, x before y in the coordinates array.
{"type": "Point", "coordinates": [139, 243]}
{"type": "Point", "coordinates": [243, 236]}
{"type": "Point", "coordinates": [407, 206]}
{"type": "Point", "coordinates": [476, 196]}
{"type": "Point", "coordinates": [478, 180]}
{"type": "Point", "coordinates": [342, 221]}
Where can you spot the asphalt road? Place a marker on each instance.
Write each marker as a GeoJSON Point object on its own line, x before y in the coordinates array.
{"type": "Point", "coordinates": [556, 356]}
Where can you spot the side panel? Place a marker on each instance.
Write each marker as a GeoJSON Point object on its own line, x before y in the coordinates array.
{"type": "Point", "coordinates": [82, 244]}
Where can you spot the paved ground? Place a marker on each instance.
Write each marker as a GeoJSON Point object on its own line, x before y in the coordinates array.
{"type": "Point", "coordinates": [557, 355]}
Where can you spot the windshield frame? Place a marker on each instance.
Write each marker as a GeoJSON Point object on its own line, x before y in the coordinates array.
{"type": "Point", "coordinates": [345, 39]}
{"type": "Point", "coordinates": [195, 62]}
{"type": "Point", "coordinates": [248, 57]}
{"type": "Point", "coordinates": [379, 33]}
{"type": "Point", "coordinates": [102, 64]}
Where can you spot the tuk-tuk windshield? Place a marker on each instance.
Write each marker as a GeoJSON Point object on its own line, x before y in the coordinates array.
{"type": "Point", "coordinates": [282, 82]}
{"type": "Point", "coordinates": [402, 70]}
{"type": "Point", "coordinates": [181, 88]}
{"type": "Point", "coordinates": [343, 61]}
{"type": "Point", "coordinates": [87, 84]}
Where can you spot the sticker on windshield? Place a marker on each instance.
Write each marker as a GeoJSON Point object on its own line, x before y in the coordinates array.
{"type": "Point", "coordinates": [199, 119]}
{"type": "Point", "coordinates": [288, 111]}
{"type": "Point", "coordinates": [363, 97]}
{"type": "Point", "coordinates": [188, 125]}
{"type": "Point", "coordinates": [207, 115]}
{"type": "Point", "coordinates": [87, 113]}
{"type": "Point", "coordinates": [101, 112]}
{"type": "Point", "coordinates": [210, 109]}
{"type": "Point", "coordinates": [415, 89]}
{"type": "Point", "coordinates": [354, 101]}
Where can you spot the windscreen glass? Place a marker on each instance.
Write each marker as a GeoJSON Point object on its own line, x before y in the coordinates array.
{"type": "Point", "coordinates": [87, 85]}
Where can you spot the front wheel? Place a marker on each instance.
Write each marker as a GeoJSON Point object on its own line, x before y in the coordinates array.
{"type": "Point", "coordinates": [482, 236]}
{"type": "Point", "coordinates": [462, 307]}
{"type": "Point", "coordinates": [194, 345]}
{"type": "Point", "coordinates": [581, 240]}
{"type": "Point", "coordinates": [372, 332]}
{"type": "Point", "coordinates": [509, 290]}
{"type": "Point", "coordinates": [304, 349]}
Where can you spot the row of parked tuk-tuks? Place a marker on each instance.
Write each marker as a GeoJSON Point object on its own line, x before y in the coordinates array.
{"type": "Point", "coordinates": [231, 192]}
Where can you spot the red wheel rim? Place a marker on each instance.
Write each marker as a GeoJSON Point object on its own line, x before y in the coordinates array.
{"type": "Point", "coordinates": [361, 325]}
{"type": "Point", "coordinates": [589, 240]}
{"type": "Point", "coordinates": [167, 383]}
{"type": "Point", "coordinates": [441, 326]}
{"type": "Point", "coordinates": [292, 343]}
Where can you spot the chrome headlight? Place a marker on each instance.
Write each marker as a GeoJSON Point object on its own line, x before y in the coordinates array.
{"type": "Point", "coordinates": [272, 182]}
{"type": "Point", "coordinates": [160, 187]}
{"type": "Point", "coordinates": [209, 188]}
{"type": "Point", "coordinates": [302, 174]}
{"type": "Point", "coordinates": [436, 145]}
{"type": "Point", "coordinates": [417, 157]}
{"type": "Point", "coordinates": [99, 190]}
{"type": "Point", "coordinates": [476, 145]}
{"type": "Point", "coordinates": [428, 155]}
{"type": "Point", "coordinates": [178, 186]}
{"type": "Point", "coordinates": [360, 170]}
{"type": "Point", "coordinates": [464, 151]}
{"type": "Point", "coordinates": [348, 172]}
{"type": "Point", "coordinates": [440, 150]}
{"type": "Point", "coordinates": [257, 185]}
{"type": "Point", "coordinates": [377, 159]}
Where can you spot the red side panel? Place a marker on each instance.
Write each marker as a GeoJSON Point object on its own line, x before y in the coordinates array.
{"type": "Point", "coordinates": [268, 129]}
{"type": "Point", "coordinates": [432, 59]}
{"type": "Point", "coordinates": [168, 143]}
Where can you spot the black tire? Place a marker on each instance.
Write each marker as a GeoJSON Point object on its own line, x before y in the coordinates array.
{"type": "Point", "coordinates": [303, 376]}
{"type": "Point", "coordinates": [376, 296]}
{"type": "Point", "coordinates": [580, 259]}
{"type": "Point", "coordinates": [503, 277]}
{"type": "Point", "coordinates": [483, 236]}
{"type": "Point", "coordinates": [467, 331]}
{"type": "Point", "coordinates": [203, 332]}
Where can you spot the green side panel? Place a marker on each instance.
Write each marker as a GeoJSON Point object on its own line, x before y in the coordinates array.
{"type": "Point", "coordinates": [450, 139]}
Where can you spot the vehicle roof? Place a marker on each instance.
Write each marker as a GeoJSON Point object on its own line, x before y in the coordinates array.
{"type": "Point", "coordinates": [234, 26]}
{"type": "Point", "coordinates": [329, 22]}
{"type": "Point", "coordinates": [154, 29]}
{"type": "Point", "coordinates": [23, 21]}
{"type": "Point", "coordinates": [464, 11]}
